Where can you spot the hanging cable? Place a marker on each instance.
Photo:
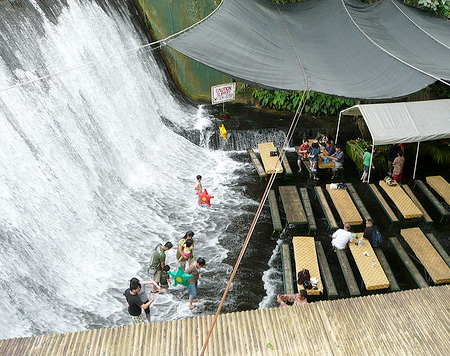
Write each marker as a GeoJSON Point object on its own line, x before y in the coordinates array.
{"type": "Point", "coordinates": [152, 45]}
{"type": "Point", "coordinates": [281, 156]}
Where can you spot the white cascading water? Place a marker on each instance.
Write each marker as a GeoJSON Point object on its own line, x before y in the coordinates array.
{"type": "Point", "coordinates": [91, 179]}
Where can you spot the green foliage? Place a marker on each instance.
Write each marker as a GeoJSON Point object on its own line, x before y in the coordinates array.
{"type": "Point", "coordinates": [317, 103]}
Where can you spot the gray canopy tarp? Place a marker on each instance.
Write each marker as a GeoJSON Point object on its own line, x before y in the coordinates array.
{"type": "Point", "coordinates": [340, 47]}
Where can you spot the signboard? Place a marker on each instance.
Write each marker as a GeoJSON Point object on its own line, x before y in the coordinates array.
{"type": "Point", "coordinates": [222, 93]}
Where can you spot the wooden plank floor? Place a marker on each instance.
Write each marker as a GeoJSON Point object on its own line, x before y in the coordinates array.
{"type": "Point", "coordinates": [369, 267]}
{"type": "Point", "coordinates": [441, 186]}
{"type": "Point", "coordinates": [345, 206]}
{"type": "Point", "coordinates": [413, 322]}
{"type": "Point", "coordinates": [295, 214]}
{"type": "Point", "coordinates": [271, 163]}
{"type": "Point", "coordinates": [404, 204]}
{"type": "Point", "coordinates": [306, 257]}
{"type": "Point", "coordinates": [427, 254]}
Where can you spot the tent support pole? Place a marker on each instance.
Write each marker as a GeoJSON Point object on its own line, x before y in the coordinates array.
{"type": "Point", "coordinates": [337, 131]}
{"type": "Point", "coordinates": [417, 156]}
{"type": "Point", "coordinates": [371, 159]}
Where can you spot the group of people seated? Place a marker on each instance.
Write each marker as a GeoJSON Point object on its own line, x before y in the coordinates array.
{"type": "Point", "coordinates": [323, 144]}
{"type": "Point", "coordinates": [342, 237]}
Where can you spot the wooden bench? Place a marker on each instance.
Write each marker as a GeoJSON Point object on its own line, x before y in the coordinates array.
{"type": "Point", "coordinates": [441, 186]}
{"type": "Point", "coordinates": [326, 208]}
{"type": "Point", "coordinates": [295, 214]}
{"type": "Point", "coordinates": [439, 248]}
{"type": "Point", "coordinates": [404, 204]}
{"type": "Point", "coordinates": [308, 209]}
{"type": "Point", "coordinates": [440, 208]}
{"type": "Point", "coordinates": [271, 163]}
{"type": "Point", "coordinates": [257, 163]}
{"type": "Point", "coordinates": [387, 209]}
{"type": "Point", "coordinates": [287, 269]}
{"type": "Point", "coordinates": [344, 206]}
{"type": "Point", "coordinates": [348, 274]}
{"type": "Point", "coordinates": [274, 212]}
{"type": "Point", "coordinates": [359, 203]}
{"type": "Point", "coordinates": [409, 264]}
{"type": "Point", "coordinates": [305, 256]}
{"type": "Point", "coordinates": [369, 267]}
{"type": "Point", "coordinates": [326, 272]}
{"type": "Point", "coordinates": [426, 216]}
{"type": "Point", "coordinates": [436, 267]}
{"type": "Point", "coordinates": [287, 168]}
{"type": "Point", "coordinates": [393, 285]}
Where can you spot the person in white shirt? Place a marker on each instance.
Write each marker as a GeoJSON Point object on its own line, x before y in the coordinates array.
{"type": "Point", "coordinates": [341, 237]}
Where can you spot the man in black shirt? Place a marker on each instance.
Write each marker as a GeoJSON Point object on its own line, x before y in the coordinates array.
{"type": "Point", "coordinates": [368, 232]}
{"type": "Point", "coordinates": [134, 303]}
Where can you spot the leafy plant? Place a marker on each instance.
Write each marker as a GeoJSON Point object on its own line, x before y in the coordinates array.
{"type": "Point", "coordinates": [317, 103]}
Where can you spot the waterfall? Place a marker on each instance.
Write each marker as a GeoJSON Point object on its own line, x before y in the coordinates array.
{"type": "Point", "coordinates": [94, 171]}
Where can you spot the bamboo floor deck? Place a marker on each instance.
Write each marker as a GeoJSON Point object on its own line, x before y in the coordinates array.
{"type": "Point", "coordinates": [441, 186]}
{"type": "Point", "coordinates": [413, 322]}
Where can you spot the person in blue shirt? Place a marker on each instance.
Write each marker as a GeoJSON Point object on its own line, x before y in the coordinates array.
{"type": "Point", "coordinates": [338, 158]}
{"type": "Point", "coordinates": [314, 158]}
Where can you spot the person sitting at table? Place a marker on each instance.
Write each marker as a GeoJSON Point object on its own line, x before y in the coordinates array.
{"type": "Point", "coordinates": [329, 148]}
{"type": "Point", "coordinates": [292, 299]}
{"type": "Point", "coordinates": [314, 158]}
{"type": "Point", "coordinates": [341, 237]}
{"type": "Point", "coordinates": [302, 153]}
{"type": "Point", "coordinates": [368, 231]}
{"type": "Point", "coordinates": [322, 138]}
{"type": "Point", "coordinates": [338, 158]}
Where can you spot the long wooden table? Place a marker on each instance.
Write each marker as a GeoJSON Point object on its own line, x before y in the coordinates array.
{"type": "Point", "coordinates": [427, 254]}
{"type": "Point", "coordinates": [369, 267]}
{"type": "Point", "coordinates": [345, 206]}
{"type": "Point", "coordinates": [305, 256]}
{"type": "Point", "coordinates": [402, 201]}
{"type": "Point", "coordinates": [269, 162]}
{"type": "Point", "coordinates": [441, 186]}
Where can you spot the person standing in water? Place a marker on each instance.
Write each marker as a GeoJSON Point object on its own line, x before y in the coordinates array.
{"type": "Point", "coordinates": [198, 187]}
{"type": "Point", "coordinates": [181, 245]}
{"type": "Point", "coordinates": [193, 282]}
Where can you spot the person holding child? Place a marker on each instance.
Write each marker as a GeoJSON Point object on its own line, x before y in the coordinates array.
{"type": "Point", "coordinates": [181, 255]}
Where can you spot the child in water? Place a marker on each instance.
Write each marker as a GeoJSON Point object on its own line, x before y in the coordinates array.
{"type": "Point", "coordinates": [164, 281]}
{"type": "Point", "coordinates": [186, 251]}
{"type": "Point", "coordinates": [198, 187]}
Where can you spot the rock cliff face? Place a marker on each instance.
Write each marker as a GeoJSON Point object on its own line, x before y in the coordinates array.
{"type": "Point", "coordinates": [166, 17]}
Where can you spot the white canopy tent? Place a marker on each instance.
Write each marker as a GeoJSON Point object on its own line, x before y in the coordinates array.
{"type": "Point", "coordinates": [403, 122]}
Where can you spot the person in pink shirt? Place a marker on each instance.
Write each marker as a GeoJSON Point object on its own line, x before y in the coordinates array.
{"type": "Point", "coordinates": [302, 154]}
